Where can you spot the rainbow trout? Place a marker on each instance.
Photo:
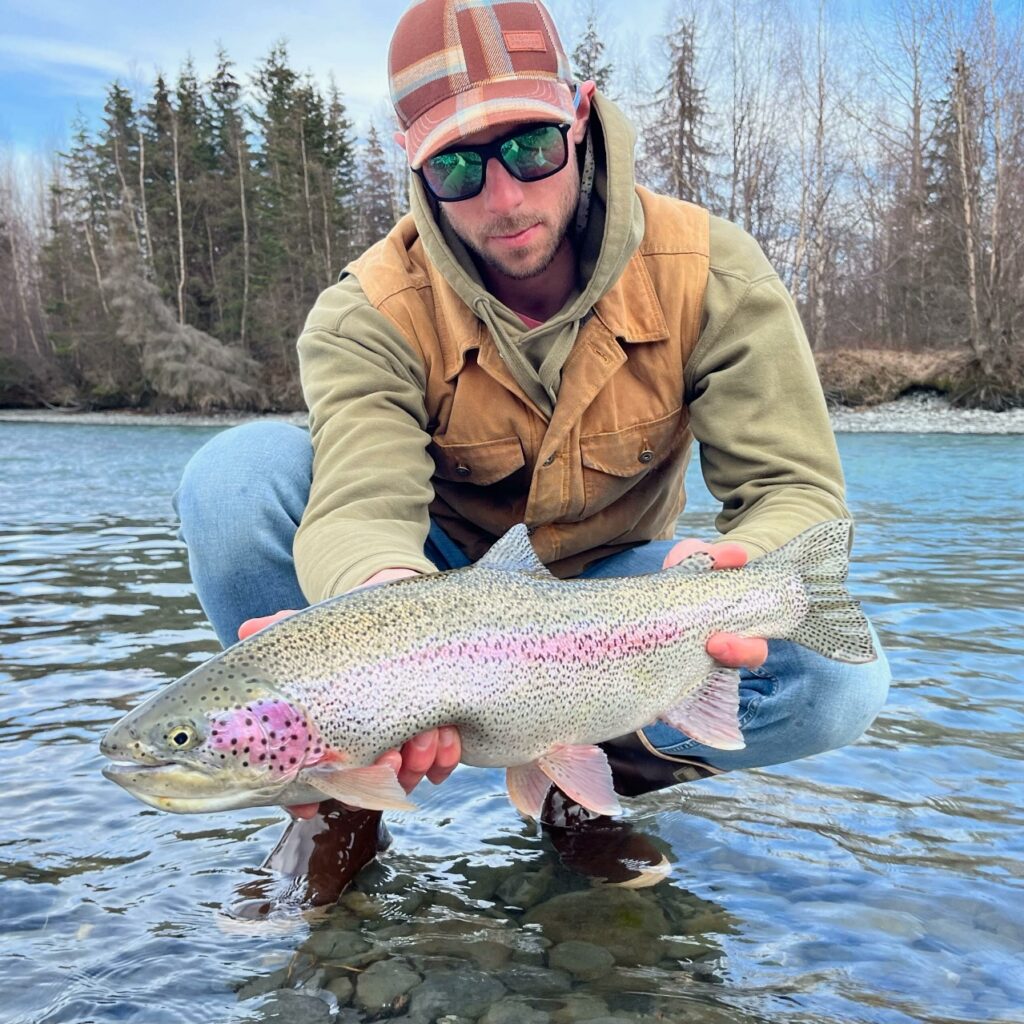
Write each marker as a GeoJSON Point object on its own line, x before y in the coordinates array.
{"type": "Point", "coordinates": [533, 671]}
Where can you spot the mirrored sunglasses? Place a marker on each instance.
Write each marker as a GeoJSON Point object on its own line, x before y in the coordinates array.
{"type": "Point", "coordinates": [528, 154]}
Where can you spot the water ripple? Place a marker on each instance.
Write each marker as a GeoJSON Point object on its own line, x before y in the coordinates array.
{"type": "Point", "coordinates": [877, 883]}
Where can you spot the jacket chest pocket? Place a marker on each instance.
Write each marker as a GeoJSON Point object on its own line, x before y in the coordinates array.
{"type": "Point", "coordinates": [480, 464]}
{"type": "Point", "coordinates": [616, 461]}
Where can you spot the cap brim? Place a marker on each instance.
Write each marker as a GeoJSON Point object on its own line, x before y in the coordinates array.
{"type": "Point", "coordinates": [491, 105]}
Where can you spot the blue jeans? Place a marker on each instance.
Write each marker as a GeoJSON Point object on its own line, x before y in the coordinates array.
{"type": "Point", "coordinates": [240, 502]}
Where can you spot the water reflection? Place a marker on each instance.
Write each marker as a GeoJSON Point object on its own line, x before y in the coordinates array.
{"type": "Point", "coordinates": [876, 883]}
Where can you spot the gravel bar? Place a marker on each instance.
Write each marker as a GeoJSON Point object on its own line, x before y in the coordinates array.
{"type": "Point", "coordinates": [912, 414]}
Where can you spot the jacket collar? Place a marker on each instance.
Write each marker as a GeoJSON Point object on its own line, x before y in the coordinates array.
{"type": "Point", "coordinates": [629, 310]}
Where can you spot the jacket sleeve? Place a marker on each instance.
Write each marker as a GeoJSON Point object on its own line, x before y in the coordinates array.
{"type": "Point", "coordinates": [370, 493]}
{"type": "Point", "coordinates": [757, 409]}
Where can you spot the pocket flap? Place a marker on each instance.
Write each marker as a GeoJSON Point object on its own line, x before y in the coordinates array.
{"type": "Point", "coordinates": [481, 464]}
{"type": "Point", "coordinates": [633, 450]}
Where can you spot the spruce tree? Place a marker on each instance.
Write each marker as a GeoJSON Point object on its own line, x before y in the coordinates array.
{"type": "Point", "coordinates": [676, 150]}
{"type": "Point", "coordinates": [375, 211]}
{"type": "Point", "coordinates": [588, 59]}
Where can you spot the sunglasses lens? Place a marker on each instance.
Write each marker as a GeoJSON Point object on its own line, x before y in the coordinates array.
{"type": "Point", "coordinates": [454, 175]}
{"type": "Point", "coordinates": [536, 153]}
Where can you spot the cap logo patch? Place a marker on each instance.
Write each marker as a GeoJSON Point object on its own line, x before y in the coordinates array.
{"type": "Point", "coordinates": [525, 42]}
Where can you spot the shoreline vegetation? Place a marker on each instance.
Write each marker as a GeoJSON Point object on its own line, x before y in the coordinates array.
{"type": "Point", "coordinates": [867, 389]}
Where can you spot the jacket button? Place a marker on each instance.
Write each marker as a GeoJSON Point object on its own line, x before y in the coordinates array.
{"type": "Point", "coordinates": [549, 460]}
{"type": "Point", "coordinates": [646, 455]}
{"type": "Point", "coordinates": [463, 470]}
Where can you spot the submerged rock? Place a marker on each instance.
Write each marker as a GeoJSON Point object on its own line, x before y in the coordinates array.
{"type": "Point", "coordinates": [582, 960]}
{"type": "Point", "coordinates": [287, 1007]}
{"type": "Point", "coordinates": [383, 986]}
{"type": "Point", "coordinates": [525, 889]}
{"type": "Point", "coordinates": [333, 944]}
{"type": "Point", "coordinates": [629, 925]}
{"type": "Point", "coordinates": [535, 981]}
{"type": "Point", "coordinates": [463, 993]}
{"type": "Point", "coordinates": [579, 1006]}
{"type": "Point", "coordinates": [514, 1011]}
{"type": "Point", "coordinates": [341, 988]}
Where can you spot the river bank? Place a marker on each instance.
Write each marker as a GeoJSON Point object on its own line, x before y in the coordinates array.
{"type": "Point", "coordinates": [919, 413]}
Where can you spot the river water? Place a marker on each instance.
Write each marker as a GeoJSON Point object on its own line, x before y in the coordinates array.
{"type": "Point", "coordinates": [881, 883]}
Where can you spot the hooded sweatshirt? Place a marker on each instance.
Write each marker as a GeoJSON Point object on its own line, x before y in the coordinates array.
{"type": "Point", "coordinates": [750, 391]}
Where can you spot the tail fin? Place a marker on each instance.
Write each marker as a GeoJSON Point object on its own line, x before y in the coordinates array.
{"type": "Point", "coordinates": [834, 625]}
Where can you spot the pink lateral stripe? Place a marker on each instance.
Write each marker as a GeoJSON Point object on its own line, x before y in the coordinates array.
{"type": "Point", "coordinates": [579, 646]}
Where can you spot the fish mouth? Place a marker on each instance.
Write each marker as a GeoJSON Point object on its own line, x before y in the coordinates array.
{"type": "Point", "coordinates": [183, 790]}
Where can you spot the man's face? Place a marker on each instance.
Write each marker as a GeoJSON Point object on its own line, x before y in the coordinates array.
{"type": "Point", "coordinates": [513, 226]}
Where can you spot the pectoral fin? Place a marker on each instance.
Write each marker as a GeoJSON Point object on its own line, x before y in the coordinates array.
{"type": "Point", "coordinates": [710, 713]}
{"type": "Point", "coordinates": [375, 788]}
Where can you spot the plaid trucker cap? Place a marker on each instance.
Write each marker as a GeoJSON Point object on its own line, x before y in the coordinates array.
{"type": "Point", "coordinates": [459, 66]}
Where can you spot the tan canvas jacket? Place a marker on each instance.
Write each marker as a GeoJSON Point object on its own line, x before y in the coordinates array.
{"type": "Point", "coordinates": [607, 471]}
{"type": "Point", "coordinates": [685, 332]}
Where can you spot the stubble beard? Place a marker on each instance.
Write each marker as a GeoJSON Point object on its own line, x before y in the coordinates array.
{"type": "Point", "coordinates": [518, 271]}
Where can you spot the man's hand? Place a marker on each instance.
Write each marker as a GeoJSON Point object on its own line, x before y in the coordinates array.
{"type": "Point", "coordinates": [433, 754]}
{"type": "Point", "coordinates": [726, 648]}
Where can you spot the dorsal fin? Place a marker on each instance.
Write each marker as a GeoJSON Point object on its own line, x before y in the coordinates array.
{"type": "Point", "coordinates": [514, 553]}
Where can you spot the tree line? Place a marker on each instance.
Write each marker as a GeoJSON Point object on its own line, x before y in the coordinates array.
{"type": "Point", "coordinates": [169, 256]}
{"type": "Point", "coordinates": [176, 249]}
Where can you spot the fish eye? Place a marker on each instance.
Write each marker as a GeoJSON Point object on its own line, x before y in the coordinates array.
{"type": "Point", "coordinates": [181, 737]}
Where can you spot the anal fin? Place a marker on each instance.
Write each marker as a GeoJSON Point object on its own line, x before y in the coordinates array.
{"type": "Point", "coordinates": [710, 713]}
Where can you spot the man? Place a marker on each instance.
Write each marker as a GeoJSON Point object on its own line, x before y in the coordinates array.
{"type": "Point", "coordinates": [539, 341]}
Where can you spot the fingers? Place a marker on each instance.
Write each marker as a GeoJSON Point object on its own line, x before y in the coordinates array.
{"type": "Point", "coordinates": [417, 758]}
{"type": "Point", "coordinates": [725, 554]}
{"type": "Point", "coordinates": [250, 626]}
{"type": "Point", "coordinates": [728, 555]}
{"type": "Point", "coordinates": [432, 755]}
{"type": "Point", "coordinates": [683, 550]}
{"type": "Point", "coordinates": [449, 750]}
{"type": "Point", "coordinates": [737, 651]}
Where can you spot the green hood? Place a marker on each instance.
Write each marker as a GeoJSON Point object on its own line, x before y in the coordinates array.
{"type": "Point", "coordinates": [614, 227]}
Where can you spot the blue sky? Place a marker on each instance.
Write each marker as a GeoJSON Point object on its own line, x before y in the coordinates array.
{"type": "Point", "coordinates": [58, 56]}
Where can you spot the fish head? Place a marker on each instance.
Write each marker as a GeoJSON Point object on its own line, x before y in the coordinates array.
{"type": "Point", "coordinates": [220, 737]}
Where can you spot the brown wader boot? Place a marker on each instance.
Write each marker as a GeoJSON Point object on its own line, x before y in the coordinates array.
{"type": "Point", "coordinates": [602, 847]}
{"type": "Point", "coordinates": [316, 859]}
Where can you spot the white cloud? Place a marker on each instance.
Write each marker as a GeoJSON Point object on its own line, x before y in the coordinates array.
{"type": "Point", "coordinates": [40, 54]}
